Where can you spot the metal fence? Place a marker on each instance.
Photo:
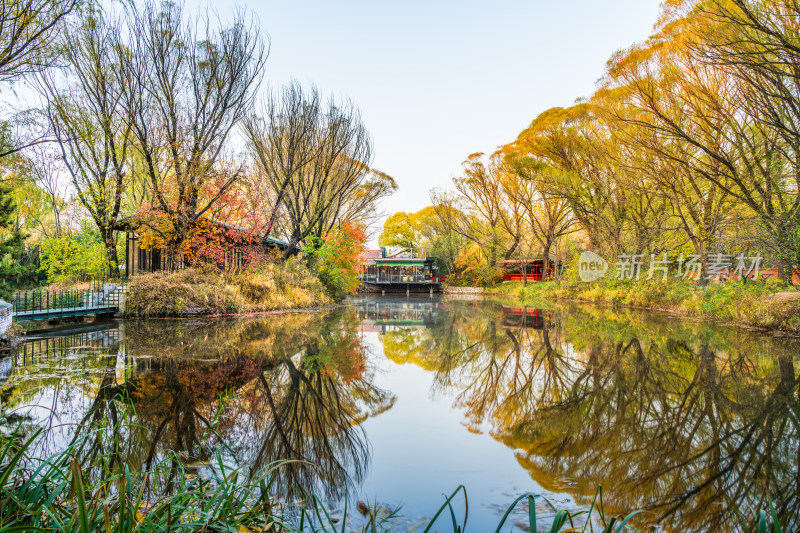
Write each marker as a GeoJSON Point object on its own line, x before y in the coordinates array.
{"type": "Point", "coordinates": [99, 296]}
{"type": "Point", "coordinates": [403, 278]}
{"type": "Point", "coordinates": [398, 278]}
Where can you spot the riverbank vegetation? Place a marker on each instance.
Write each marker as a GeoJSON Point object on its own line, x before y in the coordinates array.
{"type": "Point", "coordinates": [759, 305]}
{"type": "Point", "coordinates": [322, 274]}
{"type": "Point", "coordinates": [686, 153]}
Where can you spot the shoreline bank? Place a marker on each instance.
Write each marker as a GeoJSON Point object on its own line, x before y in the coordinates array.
{"type": "Point", "coordinates": [749, 306]}
{"type": "Point", "coordinates": [273, 312]}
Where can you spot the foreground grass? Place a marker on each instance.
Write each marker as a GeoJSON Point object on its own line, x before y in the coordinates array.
{"type": "Point", "coordinates": [768, 306]}
{"type": "Point", "coordinates": [268, 287]}
{"type": "Point", "coordinates": [56, 495]}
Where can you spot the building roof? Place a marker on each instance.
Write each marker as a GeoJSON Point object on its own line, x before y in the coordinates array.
{"type": "Point", "coordinates": [371, 254]}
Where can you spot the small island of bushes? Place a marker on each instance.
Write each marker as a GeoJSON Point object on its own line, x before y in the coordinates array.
{"type": "Point", "coordinates": [206, 290]}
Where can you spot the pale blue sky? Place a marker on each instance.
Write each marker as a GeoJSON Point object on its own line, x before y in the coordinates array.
{"type": "Point", "coordinates": [436, 81]}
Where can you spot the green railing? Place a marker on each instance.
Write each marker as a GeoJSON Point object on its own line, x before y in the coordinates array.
{"type": "Point", "coordinates": [41, 300]}
{"type": "Point", "coordinates": [49, 302]}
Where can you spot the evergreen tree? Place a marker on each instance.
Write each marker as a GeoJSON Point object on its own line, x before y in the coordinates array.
{"type": "Point", "coordinates": [12, 249]}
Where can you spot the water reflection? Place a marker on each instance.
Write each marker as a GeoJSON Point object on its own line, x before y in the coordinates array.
{"type": "Point", "coordinates": [316, 403]}
{"type": "Point", "coordinates": [388, 314]}
{"type": "Point", "coordinates": [293, 388]}
{"type": "Point", "coordinates": [691, 422]}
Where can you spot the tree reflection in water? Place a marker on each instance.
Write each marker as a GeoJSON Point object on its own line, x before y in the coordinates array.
{"type": "Point", "coordinates": [281, 388]}
{"type": "Point", "coordinates": [693, 423]}
{"type": "Point", "coordinates": [317, 401]}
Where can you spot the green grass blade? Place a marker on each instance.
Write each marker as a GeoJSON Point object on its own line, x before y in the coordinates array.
{"type": "Point", "coordinates": [625, 521]}
{"type": "Point", "coordinates": [20, 453]}
{"type": "Point", "coordinates": [597, 494]}
{"type": "Point", "coordinates": [461, 488]}
{"type": "Point", "coordinates": [532, 513]}
{"type": "Point", "coordinates": [77, 480]}
{"type": "Point", "coordinates": [776, 525]}
{"type": "Point", "coordinates": [762, 522]}
{"type": "Point", "coordinates": [511, 507]}
{"type": "Point", "coordinates": [456, 528]}
{"type": "Point", "coordinates": [344, 515]}
{"type": "Point", "coordinates": [559, 520]}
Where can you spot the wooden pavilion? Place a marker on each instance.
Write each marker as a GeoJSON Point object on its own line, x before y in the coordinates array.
{"type": "Point", "coordinates": [398, 271]}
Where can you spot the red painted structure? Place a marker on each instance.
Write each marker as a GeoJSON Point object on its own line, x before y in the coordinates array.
{"type": "Point", "coordinates": [772, 273]}
{"type": "Point", "coordinates": [522, 317]}
{"type": "Point", "coordinates": [533, 269]}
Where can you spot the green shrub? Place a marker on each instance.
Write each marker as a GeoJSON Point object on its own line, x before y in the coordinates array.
{"type": "Point", "coordinates": [336, 258]}
{"type": "Point", "coordinates": [74, 257]}
{"type": "Point", "coordinates": [16, 267]}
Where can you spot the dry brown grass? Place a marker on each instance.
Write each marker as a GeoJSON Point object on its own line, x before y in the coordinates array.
{"type": "Point", "coordinates": [267, 287]}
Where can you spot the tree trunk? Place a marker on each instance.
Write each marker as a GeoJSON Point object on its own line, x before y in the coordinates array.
{"type": "Point", "coordinates": [510, 252]}
{"type": "Point", "coordinates": [56, 214]}
{"type": "Point", "coordinates": [787, 252]}
{"type": "Point", "coordinates": [546, 260]}
{"type": "Point", "coordinates": [702, 281]}
{"type": "Point", "coordinates": [171, 250]}
{"type": "Point", "coordinates": [111, 251]}
{"type": "Point", "coordinates": [292, 248]}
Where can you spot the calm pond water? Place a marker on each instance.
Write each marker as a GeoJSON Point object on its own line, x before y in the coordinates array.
{"type": "Point", "coordinates": [400, 400]}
